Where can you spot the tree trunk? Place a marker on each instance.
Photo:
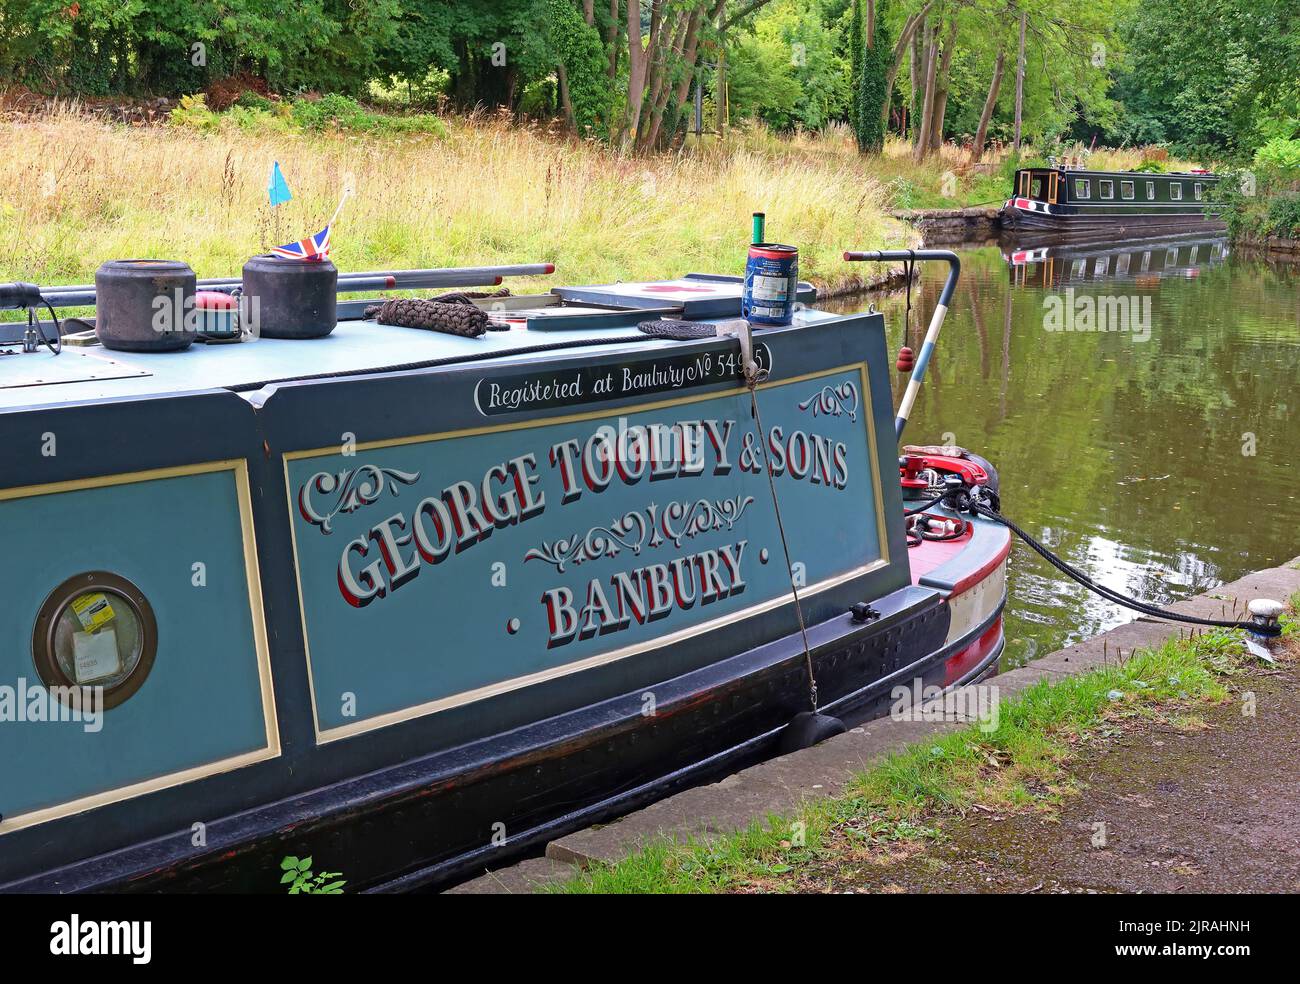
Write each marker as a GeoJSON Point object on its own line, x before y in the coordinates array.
{"type": "Point", "coordinates": [464, 87]}
{"type": "Point", "coordinates": [720, 88]}
{"type": "Point", "coordinates": [611, 38]}
{"type": "Point", "coordinates": [661, 87]}
{"type": "Point", "coordinates": [638, 67]}
{"type": "Point", "coordinates": [635, 69]}
{"type": "Point", "coordinates": [656, 67]}
{"type": "Point", "coordinates": [1020, 80]}
{"type": "Point", "coordinates": [589, 11]}
{"type": "Point", "coordinates": [565, 102]}
{"type": "Point", "coordinates": [917, 68]}
{"type": "Point", "coordinates": [922, 144]}
{"type": "Point", "coordinates": [902, 46]}
{"type": "Point", "coordinates": [690, 55]}
{"type": "Point", "coordinates": [941, 86]}
{"type": "Point", "coordinates": [982, 131]}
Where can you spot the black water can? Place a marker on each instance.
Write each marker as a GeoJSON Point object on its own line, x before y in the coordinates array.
{"type": "Point", "coordinates": [290, 298]}
{"type": "Point", "coordinates": [145, 305]}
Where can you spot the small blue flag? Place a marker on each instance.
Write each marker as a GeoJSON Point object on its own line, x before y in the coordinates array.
{"type": "Point", "coordinates": [278, 189]}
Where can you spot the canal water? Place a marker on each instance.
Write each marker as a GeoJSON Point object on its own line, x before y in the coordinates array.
{"type": "Point", "coordinates": [1142, 405]}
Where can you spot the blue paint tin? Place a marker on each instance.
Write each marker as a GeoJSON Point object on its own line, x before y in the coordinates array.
{"type": "Point", "coordinates": [771, 279]}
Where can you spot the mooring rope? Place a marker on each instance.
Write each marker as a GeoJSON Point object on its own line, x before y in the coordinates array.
{"type": "Point", "coordinates": [753, 375]}
{"type": "Point", "coordinates": [979, 509]}
{"type": "Point", "coordinates": [909, 271]}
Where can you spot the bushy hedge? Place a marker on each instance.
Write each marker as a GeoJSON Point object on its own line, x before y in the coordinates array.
{"type": "Point", "coordinates": [1280, 153]}
{"type": "Point", "coordinates": [333, 112]}
{"type": "Point", "coordinates": [1260, 204]}
{"type": "Point", "coordinates": [1283, 216]}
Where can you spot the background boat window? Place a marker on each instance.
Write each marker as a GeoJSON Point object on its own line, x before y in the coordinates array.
{"type": "Point", "coordinates": [1151, 191]}
{"type": "Point", "coordinates": [1126, 190]}
{"type": "Point", "coordinates": [1082, 188]}
{"type": "Point", "coordinates": [1198, 189]}
{"type": "Point", "coordinates": [1107, 188]}
{"type": "Point", "coordinates": [1175, 191]}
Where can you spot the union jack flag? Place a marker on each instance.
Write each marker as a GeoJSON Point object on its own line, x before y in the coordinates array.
{"type": "Point", "coordinates": [315, 247]}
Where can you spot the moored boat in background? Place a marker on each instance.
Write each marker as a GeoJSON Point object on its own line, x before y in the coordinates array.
{"type": "Point", "coordinates": [1078, 201]}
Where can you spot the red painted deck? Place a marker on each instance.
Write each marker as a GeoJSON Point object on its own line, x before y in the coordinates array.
{"type": "Point", "coordinates": [931, 553]}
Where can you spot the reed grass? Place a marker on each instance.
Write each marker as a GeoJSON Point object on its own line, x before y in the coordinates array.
{"type": "Point", "coordinates": [75, 192]}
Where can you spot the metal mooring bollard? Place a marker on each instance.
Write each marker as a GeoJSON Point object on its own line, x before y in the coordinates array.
{"type": "Point", "coordinates": [1266, 611]}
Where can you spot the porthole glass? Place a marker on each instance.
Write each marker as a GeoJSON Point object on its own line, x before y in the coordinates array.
{"type": "Point", "coordinates": [95, 630]}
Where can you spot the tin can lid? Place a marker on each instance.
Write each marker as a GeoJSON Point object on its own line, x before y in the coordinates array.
{"type": "Point", "coordinates": [773, 251]}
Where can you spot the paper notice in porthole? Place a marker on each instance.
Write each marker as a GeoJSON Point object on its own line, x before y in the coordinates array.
{"type": "Point", "coordinates": [95, 655]}
{"type": "Point", "coordinates": [93, 610]}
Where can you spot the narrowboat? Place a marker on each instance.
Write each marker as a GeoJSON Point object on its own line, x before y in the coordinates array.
{"type": "Point", "coordinates": [1071, 200]}
{"type": "Point", "coordinates": [413, 598]}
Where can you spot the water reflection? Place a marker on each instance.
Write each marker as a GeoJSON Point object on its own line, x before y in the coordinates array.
{"type": "Point", "coordinates": [1159, 460]}
{"type": "Point", "coordinates": [1064, 264]}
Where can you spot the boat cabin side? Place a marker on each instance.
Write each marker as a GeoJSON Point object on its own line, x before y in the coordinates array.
{"type": "Point", "coordinates": [1057, 186]}
{"type": "Point", "coordinates": [407, 563]}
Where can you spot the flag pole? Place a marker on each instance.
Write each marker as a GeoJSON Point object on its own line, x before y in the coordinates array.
{"type": "Point", "coordinates": [346, 192]}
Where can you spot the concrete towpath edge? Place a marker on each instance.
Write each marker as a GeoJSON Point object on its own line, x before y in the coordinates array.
{"type": "Point", "coordinates": [780, 785]}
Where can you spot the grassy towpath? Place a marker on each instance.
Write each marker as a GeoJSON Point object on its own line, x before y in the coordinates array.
{"type": "Point", "coordinates": [1176, 770]}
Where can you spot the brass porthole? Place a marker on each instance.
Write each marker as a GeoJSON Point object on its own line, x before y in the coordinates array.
{"type": "Point", "coordinates": [96, 629]}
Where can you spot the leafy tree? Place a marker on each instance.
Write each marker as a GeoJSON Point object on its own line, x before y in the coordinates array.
{"type": "Point", "coordinates": [579, 55]}
{"type": "Point", "coordinates": [788, 71]}
{"type": "Point", "coordinates": [762, 78]}
{"type": "Point", "coordinates": [1213, 75]}
{"type": "Point", "coordinates": [1208, 75]}
{"type": "Point", "coordinates": [870, 92]}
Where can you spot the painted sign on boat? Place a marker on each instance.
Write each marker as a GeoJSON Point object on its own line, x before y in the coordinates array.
{"type": "Point", "coordinates": [475, 562]}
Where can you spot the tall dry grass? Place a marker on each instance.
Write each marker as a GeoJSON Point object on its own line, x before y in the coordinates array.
{"type": "Point", "coordinates": [1132, 158]}
{"type": "Point", "coordinates": [75, 192]}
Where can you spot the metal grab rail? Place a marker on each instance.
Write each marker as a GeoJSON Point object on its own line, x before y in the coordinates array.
{"type": "Point", "coordinates": [83, 295]}
{"type": "Point", "coordinates": [936, 320]}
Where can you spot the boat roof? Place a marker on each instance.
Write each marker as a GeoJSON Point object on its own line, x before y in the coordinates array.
{"type": "Point", "coordinates": [94, 373]}
{"type": "Point", "coordinates": [1060, 169]}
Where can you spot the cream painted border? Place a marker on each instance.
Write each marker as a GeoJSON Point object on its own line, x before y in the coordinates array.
{"type": "Point", "coordinates": [252, 575]}
{"type": "Point", "coordinates": [516, 683]}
